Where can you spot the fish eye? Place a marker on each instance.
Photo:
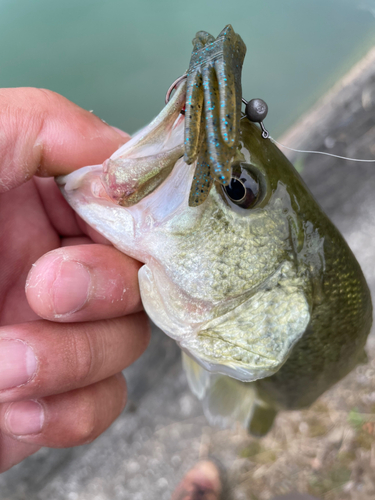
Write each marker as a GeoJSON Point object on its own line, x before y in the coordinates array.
{"type": "Point", "coordinates": [244, 188]}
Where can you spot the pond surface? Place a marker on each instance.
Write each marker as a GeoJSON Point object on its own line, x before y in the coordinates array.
{"type": "Point", "coordinates": [118, 57]}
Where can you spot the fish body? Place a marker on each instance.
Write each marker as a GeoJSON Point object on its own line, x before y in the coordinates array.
{"type": "Point", "coordinates": [255, 283]}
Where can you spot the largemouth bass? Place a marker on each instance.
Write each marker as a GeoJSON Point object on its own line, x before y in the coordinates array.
{"type": "Point", "coordinates": [245, 271]}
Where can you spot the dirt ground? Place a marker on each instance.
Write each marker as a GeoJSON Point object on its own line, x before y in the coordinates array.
{"type": "Point", "coordinates": [327, 450]}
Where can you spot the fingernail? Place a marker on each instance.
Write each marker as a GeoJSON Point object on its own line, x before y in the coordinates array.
{"type": "Point", "coordinates": [25, 417]}
{"type": "Point", "coordinates": [71, 287]}
{"type": "Point", "coordinates": [17, 363]}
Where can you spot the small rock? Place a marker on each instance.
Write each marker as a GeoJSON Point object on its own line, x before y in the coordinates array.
{"type": "Point", "coordinates": [329, 142]}
{"type": "Point", "coordinates": [162, 483]}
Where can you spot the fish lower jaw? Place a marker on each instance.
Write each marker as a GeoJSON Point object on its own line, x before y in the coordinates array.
{"type": "Point", "coordinates": [248, 342]}
{"type": "Point", "coordinates": [239, 372]}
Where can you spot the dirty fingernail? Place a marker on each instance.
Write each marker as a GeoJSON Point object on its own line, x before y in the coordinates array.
{"type": "Point", "coordinates": [17, 363]}
{"type": "Point", "coordinates": [25, 417]}
{"type": "Point", "coordinates": [71, 287]}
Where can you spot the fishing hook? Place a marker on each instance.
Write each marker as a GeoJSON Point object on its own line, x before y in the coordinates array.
{"type": "Point", "coordinates": [173, 86]}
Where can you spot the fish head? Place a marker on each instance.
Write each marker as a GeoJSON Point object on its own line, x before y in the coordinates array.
{"type": "Point", "coordinates": [231, 279]}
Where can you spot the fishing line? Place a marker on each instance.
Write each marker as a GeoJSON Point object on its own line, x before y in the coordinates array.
{"type": "Point", "coordinates": [318, 152]}
{"type": "Point", "coordinates": [256, 110]}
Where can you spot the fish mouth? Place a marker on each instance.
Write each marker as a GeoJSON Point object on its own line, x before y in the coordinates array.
{"type": "Point", "coordinates": [142, 164]}
{"type": "Point", "coordinates": [126, 196]}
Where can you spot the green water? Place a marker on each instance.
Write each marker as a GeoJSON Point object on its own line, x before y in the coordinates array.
{"type": "Point", "coordinates": [119, 57]}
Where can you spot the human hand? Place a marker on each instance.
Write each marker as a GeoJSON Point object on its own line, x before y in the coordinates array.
{"type": "Point", "coordinates": [60, 377]}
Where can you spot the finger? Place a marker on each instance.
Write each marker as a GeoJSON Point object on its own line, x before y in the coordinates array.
{"type": "Point", "coordinates": [43, 133]}
{"type": "Point", "coordinates": [62, 217]}
{"type": "Point", "coordinates": [91, 232]}
{"type": "Point", "coordinates": [41, 358]}
{"type": "Point", "coordinates": [70, 419]}
{"type": "Point", "coordinates": [84, 283]}
{"type": "Point", "coordinates": [60, 214]}
{"type": "Point", "coordinates": [13, 452]}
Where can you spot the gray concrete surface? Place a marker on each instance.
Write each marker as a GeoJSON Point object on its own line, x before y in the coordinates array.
{"type": "Point", "coordinates": [163, 432]}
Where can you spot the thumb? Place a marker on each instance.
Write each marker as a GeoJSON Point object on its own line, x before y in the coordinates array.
{"type": "Point", "coordinates": [43, 133]}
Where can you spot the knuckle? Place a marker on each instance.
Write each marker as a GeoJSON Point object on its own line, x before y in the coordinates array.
{"type": "Point", "coordinates": [81, 356]}
{"type": "Point", "coordinates": [23, 113]}
{"type": "Point", "coordinates": [86, 432]}
{"type": "Point", "coordinates": [46, 94]}
{"type": "Point", "coordinates": [20, 124]}
{"type": "Point", "coordinates": [38, 98]}
{"type": "Point", "coordinates": [85, 428]}
{"type": "Point", "coordinates": [35, 95]}
{"type": "Point", "coordinates": [88, 353]}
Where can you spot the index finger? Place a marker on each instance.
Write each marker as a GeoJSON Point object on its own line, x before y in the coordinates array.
{"type": "Point", "coordinates": [43, 133]}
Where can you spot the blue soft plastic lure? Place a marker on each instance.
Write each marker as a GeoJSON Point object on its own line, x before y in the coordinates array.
{"type": "Point", "coordinates": [213, 109]}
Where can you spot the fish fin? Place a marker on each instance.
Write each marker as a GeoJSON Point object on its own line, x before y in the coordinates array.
{"type": "Point", "coordinates": [225, 400]}
{"type": "Point", "coordinates": [261, 420]}
{"type": "Point", "coordinates": [198, 378]}
{"type": "Point", "coordinates": [228, 401]}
